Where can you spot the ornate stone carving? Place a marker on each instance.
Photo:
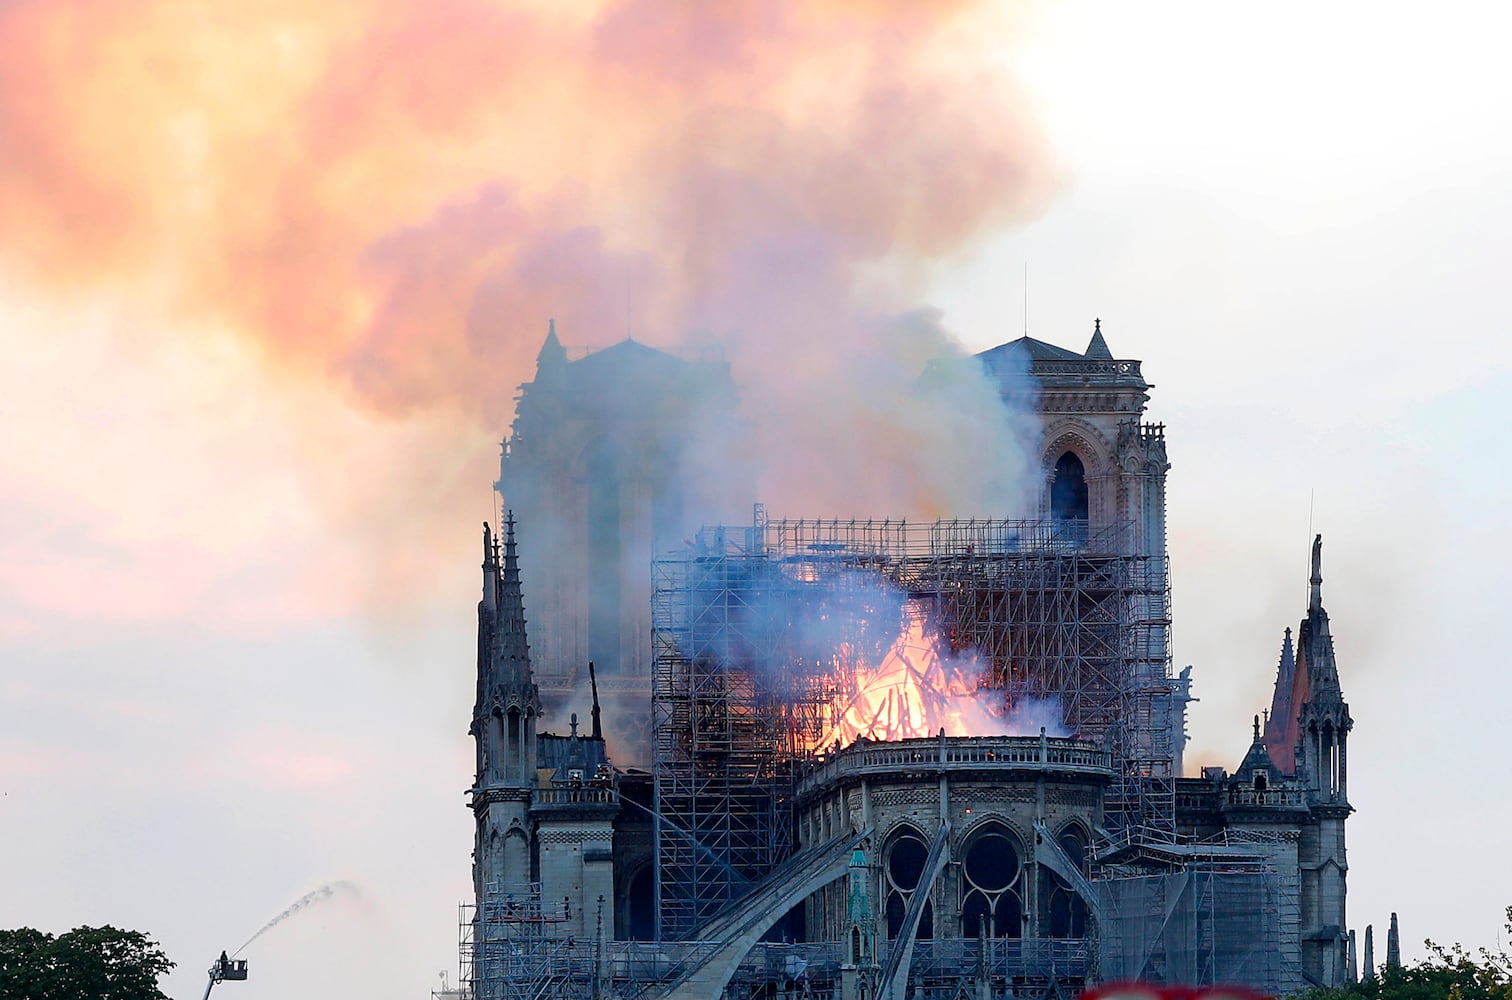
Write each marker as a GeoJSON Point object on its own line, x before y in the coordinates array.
{"type": "Point", "coordinates": [574, 836]}
{"type": "Point", "coordinates": [1071, 797]}
{"type": "Point", "coordinates": [904, 797]}
{"type": "Point", "coordinates": [1005, 793]}
{"type": "Point", "coordinates": [1080, 436]}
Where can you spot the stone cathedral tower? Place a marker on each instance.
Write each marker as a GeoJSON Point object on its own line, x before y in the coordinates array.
{"type": "Point", "coordinates": [503, 725]}
{"type": "Point", "coordinates": [604, 458]}
{"type": "Point", "coordinates": [1307, 734]}
{"type": "Point", "coordinates": [545, 806]}
{"type": "Point", "coordinates": [1104, 478]}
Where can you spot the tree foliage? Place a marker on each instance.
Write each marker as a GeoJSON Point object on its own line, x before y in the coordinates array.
{"type": "Point", "coordinates": [1446, 974]}
{"type": "Point", "coordinates": [97, 962]}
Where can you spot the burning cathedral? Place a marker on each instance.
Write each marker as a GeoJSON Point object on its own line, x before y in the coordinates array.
{"type": "Point", "coordinates": [873, 759]}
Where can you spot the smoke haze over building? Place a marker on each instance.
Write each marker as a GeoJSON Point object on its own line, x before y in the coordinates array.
{"type": "Point", "coordinates": [417, 188]}
{"type": "Point", "coordinates": [270, 274]}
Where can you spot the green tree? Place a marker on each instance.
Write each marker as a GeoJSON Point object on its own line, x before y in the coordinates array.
{"type": "Point", "coordinates": [1446, 974]}
{"type": "Point", "coordinates": [102, 963]}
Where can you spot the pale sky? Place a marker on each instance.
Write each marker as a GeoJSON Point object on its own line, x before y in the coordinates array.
{"type": "Point", "coordinates": [238, 525]}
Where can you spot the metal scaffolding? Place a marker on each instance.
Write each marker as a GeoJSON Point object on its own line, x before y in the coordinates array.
{"type": "Point", "coordinates": [514, 935]}
{"type": "Point", "coordinates": [1207, 921]}
{"type": "Point", "coordinates": [754, 629]}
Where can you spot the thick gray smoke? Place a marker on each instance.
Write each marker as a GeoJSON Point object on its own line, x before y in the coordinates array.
{"type": "Point", "coordinates": [885, 420]}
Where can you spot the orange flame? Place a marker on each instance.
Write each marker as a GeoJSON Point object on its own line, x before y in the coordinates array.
{"type": "Point", "coordinates": [914, 692]}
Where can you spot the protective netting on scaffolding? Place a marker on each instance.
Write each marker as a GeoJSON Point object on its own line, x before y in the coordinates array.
{"type": "Point", "coordinates": [1201, 923]}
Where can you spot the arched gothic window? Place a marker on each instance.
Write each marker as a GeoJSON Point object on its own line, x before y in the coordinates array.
{"type": "Point", "coordinates": [991, 880]}
{"type": "Point", "coordinates": [498, 750]}
{"type": "Point", "coordinates": [1064, 912]}
{"type": "Point", "coordinates": [638, 920]}
{"type": "Point", "coordinates": [1068, 490]}
{"type": "Point", "coordinates": [514, 749]}
{"type": "Point", "coordinates": [903, 870]}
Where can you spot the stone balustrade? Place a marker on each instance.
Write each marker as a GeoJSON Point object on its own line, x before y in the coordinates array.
{"type": "Point", "coordinates": [958, 753]}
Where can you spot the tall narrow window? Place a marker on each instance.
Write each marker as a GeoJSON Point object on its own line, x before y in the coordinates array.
{"type": "Point", "coordinates": [905, 870]}
{"type": "Point", "coordinates": [514, 751]}
{"type": "Point", "coordinates": [638, 920]}
{"type": "Point", "coordinates": [1068, 490]}
{"type": "Point", "coordinates": [500, 750]}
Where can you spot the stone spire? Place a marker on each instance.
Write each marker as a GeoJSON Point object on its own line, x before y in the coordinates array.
{"type": "Point", "coordinates": [1322, 764]}
{"type": "Point", "coordinates": [1323, 721]}
{"type": "Point", "coordinates": [503, 727]}
{"type": "Point", "coordinates": [505, 685]}
{"type": "Point", "coordinates": [1097, 347]}
{"type": "Point", "coordinates": [1281, 723]}
{"type": "Point", "coordinates": [1369, 952]}
{"type": "Point", "coordinates": [512, 650]}
{"type": "Point", "coordinates": [488, 619]}
{"type": "Point", "coordinates": [1393, 945]}
{"type": "Point", "coordinates": [552, 357]}
{"type": "Point", "coordinates": [1316, 640]}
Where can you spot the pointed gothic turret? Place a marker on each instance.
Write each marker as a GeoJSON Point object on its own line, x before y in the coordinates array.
{"type": "Point", "coordinates": [1323, 721]}
{"type": "Point", "coordinates": [504, 724]}
{"type": "Point", "coordinates": [513, 655]}
{"type": "Point", "coordinates": [1315, 642]}
{"type": "Point", "coordinates": [1306, 740]}
{"type": "Point", "coordinates": [1320, 741]}
{"type": "Point", "coordinates": [504, 716]}
{"type": "Point", "coordinates": [1281, 723]}
{"type": "Point", "coordinates": [1309, 721]}
{"type": "Point", "coordinates": [1097, 347]}
{"type": "Point", "coordinates": [552, 357]}
{"type": "Point", "coordinates": [488, 619]}
{"type": "Point", "coordinates": [1257, 769]}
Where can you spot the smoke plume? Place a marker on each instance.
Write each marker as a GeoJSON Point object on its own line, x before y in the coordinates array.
{"type": "Point", "coordinates": [395, 196]}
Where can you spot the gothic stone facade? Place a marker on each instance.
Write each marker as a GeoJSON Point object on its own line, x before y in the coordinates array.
{"type": "Point", "coordinates": [563, 835]}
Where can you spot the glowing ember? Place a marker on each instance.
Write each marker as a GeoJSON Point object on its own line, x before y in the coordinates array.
{"type": "Point", "coordinates": [914, 692]}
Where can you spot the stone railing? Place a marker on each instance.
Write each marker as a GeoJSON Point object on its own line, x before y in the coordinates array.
{"type": "Point", "coordinates": [577, 796]}
{"type": "Point", "coordinates": [1114, 369]}
{"type": "Point", "coordinates": [959, 753]}
{"type": "Point", "coordinates": [1246, 796]}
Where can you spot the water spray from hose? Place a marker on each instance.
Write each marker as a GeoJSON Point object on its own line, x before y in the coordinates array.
{"type": "Point", "coordinates": [304, 902]}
